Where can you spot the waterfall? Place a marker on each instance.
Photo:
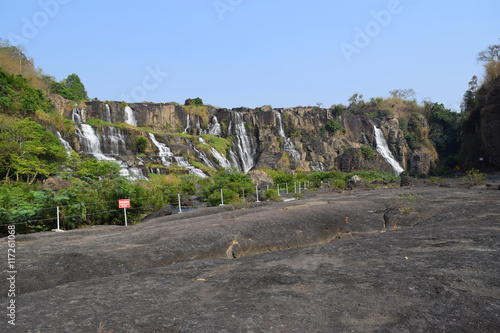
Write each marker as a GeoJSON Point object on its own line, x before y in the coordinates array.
{"type": "Point", "coordinates": [64, 143]}
{"type": "Point", "coordinates": [214, 127]}
{"type": "Point", "coordinates": [383, 150]}
{"type": "Point", "coordinates": [166, 156]}
{"type": "Point", "coordinates": [281, 132]}
{"type": "Point", "coordinates": [223, 162]}
{"type": "Point", "coordinates": [76, 115]}
{"type": "Point", "coordinates": [91, 144]}
{"type": "Point", "coordinates": [317, 166]}
{"type": "Point", "coordinates": [164, 151]}
{"type": "Point", "coordinates": [129, 116]}
{"type": "Point", "coordinates": [288, 145]}
{"type": "Point", "coordinates": [198, 126]}
{"type": "Point", "coordinates": [188, 124]}
{"type": "Point", "coordinates": [107, 113]}
{"type": "Point", "coordinates": [182, 162]}
{"type": "Point", "coordinates": [245, 147]}
{"type": "Point", "coordinates": [113, 141]}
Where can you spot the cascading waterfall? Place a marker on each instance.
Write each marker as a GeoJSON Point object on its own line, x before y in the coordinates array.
{"type": "Point", "coordinates": [183, 162]}
{"type": "Point", "coordinates": [383, 150]}
{"type": "Point", "coordinates": [91, 144]}
{"type": "Point", "coordinates": [244, 148]}
{"type": "Point", "coordinates": [129, 116]}
{"type": "Point", "coordinates": [223, 162]}
{"type": "Point", "coordinates": [65, 143]}
{"type": "Point", "coordinates": [288, 145]}
{"type": "Point", "coordinates": [188, 124]}
{"type": "Point", "coordinates": [76, 115]}
{"type": "Point", "coordinates": [114, 140]}
{"type": "Point", "coordinates": [164, 151]}
{"type": "Point", "coordinates": [166, 156]}
{"type": "Point", "coordinates": [107, 113]}
{"type": "Point", "coordinates": [317, 166]}
{"type": "Point", "coordinates": [214, 127]}
{"type": "Point", "coordinates": [221, 159]}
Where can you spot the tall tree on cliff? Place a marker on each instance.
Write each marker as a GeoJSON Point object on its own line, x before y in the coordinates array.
{"type": "Point", "coordinates": [75, 85]}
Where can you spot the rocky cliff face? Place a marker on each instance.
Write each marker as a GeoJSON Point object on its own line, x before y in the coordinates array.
{"type": "Point", "coordinates": [481, 131]}
{"type": "Point", "coordinates": [293, 139]}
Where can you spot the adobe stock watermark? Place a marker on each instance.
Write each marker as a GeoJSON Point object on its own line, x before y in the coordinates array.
{"type": "Point", "coordinates": [224, 6]}
{"type": "Point", "coordinates": [150, 81]}
{"type": "Point", "coordinates": [363, 37]}
{"type": "Point", "coordinates": [39, 20]}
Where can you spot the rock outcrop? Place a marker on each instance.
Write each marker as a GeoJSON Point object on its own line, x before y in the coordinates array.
{"type": "Point", "coordinates": [481, 131]}
{"type": "Point", "coordinates": [292, 139]}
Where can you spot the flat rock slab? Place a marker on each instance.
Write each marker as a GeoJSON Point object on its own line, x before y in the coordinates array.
{"type": "Point", "coordinates": [429, 262]}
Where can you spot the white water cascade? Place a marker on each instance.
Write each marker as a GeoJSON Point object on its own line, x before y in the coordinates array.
{"type": "Point", "coordinates": [129, 116]}
{"type": "Point", "coordinates": [221, 159]}
{"type": "Point", "coordinates": [244, 148]}
{"type": "Point", "coordinates": [183, 162]}
{"type": "Point", "coordinates": [107, 113]}
{"type": "Point", "coordinates": [76, 115]}
{"type": "Point", "coordinates": [288, 145]}
{"type": "Point", "coordinates": [188, 124]}
{"type": "Point", "coordinates": [223, 162]}
{"type": "Point", "coordinates": [164, 151]}
{"type": "Point", "coordinates": [91, 144]}
{"type": "Point", "coordinates": [383, 150]}
{"type": "Point", "coordinates": [65, 143]}
{"type": "Point", "coordinates": [214, 127]}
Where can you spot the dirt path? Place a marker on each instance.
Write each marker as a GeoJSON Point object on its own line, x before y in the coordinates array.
{"type": "Point", "coordinates": [428, 261]}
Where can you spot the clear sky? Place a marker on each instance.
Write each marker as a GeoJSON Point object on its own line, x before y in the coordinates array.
{"type": "Point", "coordinates": [251, 53]}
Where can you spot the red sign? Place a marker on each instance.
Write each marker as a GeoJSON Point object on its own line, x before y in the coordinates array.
{"type": "Point", "coordinates": [124, 203]}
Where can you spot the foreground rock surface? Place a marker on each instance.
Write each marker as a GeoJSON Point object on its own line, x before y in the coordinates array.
{"type": "Point", "coordinates": [429, 262]}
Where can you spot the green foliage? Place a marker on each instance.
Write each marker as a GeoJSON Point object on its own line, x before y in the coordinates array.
{"type": "Point", "coordinates": [474, 177]}
{"type": "Point", "coordinates": [28, 150]}
{"type": "Point", "coordinates": [368, 153]}
{"type": "Point", "coordinates": [76, 88]}
{"type": "Point", "coordinates": [18, 98]}
{"type": "Point", "coordinates": [272, 194]}
{"type": "Point", "coordinates": [141, 143]}
{"type": "Point", "coordinates": [196, 101]}
{"type": "Point", "coordinates": [445, 130]}
{"type": "Point", "coordinates": [338, 110]}
{"type": "Point", "coordinates": [333, 126]}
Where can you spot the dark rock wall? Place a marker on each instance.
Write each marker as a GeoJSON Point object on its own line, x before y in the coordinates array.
{"type": "Point", "coordinates": [481, 131]}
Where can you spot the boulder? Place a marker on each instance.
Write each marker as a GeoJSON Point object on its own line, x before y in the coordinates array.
{"type": "Point", "coordinates": [260, 178]}
{"type": "Point", "coordinates": [167, 210]}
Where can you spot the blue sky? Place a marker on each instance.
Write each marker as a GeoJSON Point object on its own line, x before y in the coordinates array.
{"type": "Point", "coordinates": [251, 53]}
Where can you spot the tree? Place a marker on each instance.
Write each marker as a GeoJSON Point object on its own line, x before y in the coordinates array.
{"type": "Point", "coordinates": [404, 94]}
{"type": "Point", "coordinates": [333, 126]}
{"type": "Point", "coordinates": [76, 87]}
{"type": "Point", "coordinates": [141, 144]}
{"type": "Point", "coordinates": [491, 59]}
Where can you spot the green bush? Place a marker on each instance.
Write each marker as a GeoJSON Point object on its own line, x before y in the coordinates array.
{"type": "Point", "coordinates": [368, 153]}
{"type": "Point", "coordinates": [333, 126]}
{"type": "Point", "coordinates": [141, 144]}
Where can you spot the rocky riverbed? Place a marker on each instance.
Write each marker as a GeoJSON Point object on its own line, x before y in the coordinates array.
{"type": "Point", "coordinates": [422, 258]}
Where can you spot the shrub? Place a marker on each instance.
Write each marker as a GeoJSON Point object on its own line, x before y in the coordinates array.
{"type": "Point", "coordinates": [333, 126]}
{"type": "Point", "coordinates": [272, 194]}
{"type": "Point", "coordinates": [141, 144]}
{"type": "Point", "coordinates": [368, 153]}
{"type": "Point", "coordinates": [474, 177]}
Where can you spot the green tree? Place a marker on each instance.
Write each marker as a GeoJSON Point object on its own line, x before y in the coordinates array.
{"type": "Point", "coordinates": [76, 87]}
{"type": "Point", "coordinates": [333, 126]}
{"type": "Point", "coordinates": [141, 144]}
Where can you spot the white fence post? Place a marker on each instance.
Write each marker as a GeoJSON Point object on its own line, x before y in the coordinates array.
{"type": "Point", "coordinates": [221, 198]}
{"type": "Point", "coordinates": [243, 190]}
{"type": "Point", "coordinates": [279, 190]}
{"type": "Point", "coordinates": [58, 229]}
{"type": "Point", "coordinates": [180, 206]}
{"type": "Point", "coordinates": [257, 193]}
